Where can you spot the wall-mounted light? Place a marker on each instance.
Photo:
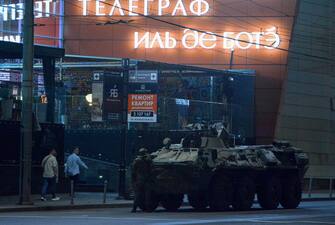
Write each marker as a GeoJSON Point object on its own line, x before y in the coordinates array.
{"type": "Point", "coordinates": [88, 98]}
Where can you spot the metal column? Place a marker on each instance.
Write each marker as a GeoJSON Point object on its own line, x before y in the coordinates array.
{"type": "Point", "coordinates": [27, 104]}
{"type": "Point", "coordinates": [124, 141]}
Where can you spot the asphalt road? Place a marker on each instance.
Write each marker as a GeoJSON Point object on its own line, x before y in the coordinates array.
{"type": "Point", "coordinates": [308, 213]}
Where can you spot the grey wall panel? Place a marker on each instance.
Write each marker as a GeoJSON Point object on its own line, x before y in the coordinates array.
{"type": "Point", "coordinates": [305, 116]}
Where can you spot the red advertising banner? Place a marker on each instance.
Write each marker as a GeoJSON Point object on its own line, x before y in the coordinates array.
{"type": "Point", "coordinates": [142, 108]}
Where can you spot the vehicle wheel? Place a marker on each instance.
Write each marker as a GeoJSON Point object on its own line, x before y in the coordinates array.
{"type": "Point", "coordinates": [148, 201]}
{"type": "Point", "coordinates": [221, 193]}
{"type": "Point", "coordinates": [198, 200]}
{"type": "Point", "coordinates": [172, 202]}
{"type": "Point", "coordinates": [291, 195]}
{"type": "Point", "coordinates": [244, 194]}
{"type": "Point", "coordinates": [270, 193]}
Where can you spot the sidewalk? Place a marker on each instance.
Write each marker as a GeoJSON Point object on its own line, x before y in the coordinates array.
{"type": "Point", "coordinates": [318, 196]}
{"type": "Point", "coordinates": [85, 200]}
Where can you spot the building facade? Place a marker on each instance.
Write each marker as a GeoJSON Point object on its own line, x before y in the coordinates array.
{"type": "Point", "coordinates": [289, 44]}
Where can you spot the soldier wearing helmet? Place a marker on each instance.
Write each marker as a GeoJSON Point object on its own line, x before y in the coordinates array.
{"type": "Point", "coordinates": [167, 143]}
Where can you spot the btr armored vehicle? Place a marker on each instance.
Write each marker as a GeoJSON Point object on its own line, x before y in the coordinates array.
{"type": "Point", "coordinates": [214, 175]}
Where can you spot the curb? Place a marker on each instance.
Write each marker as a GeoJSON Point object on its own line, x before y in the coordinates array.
{"type": "Point", "coordinates": [65, 207]}
{"type": "Point", "coordinates": [317, 199]}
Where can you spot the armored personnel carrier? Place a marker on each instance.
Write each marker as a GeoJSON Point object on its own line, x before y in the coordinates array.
{"type": "Point", "coordinates": [214, 175]}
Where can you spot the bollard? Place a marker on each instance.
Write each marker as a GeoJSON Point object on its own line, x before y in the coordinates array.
{"type": "Point", "coordinates": [331, 188]}
{"type": "Point", "coordinates": [72, 192]}
{"type": "Point", "coordinates": [105, 192]}
{"type": "Point", "coordinates": [310, 187]}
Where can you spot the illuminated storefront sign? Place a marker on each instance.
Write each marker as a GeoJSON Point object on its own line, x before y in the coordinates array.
{"type": "Point", "coordinates": [11, 38]}
{"type": "Point", "coordinates": [145, 7]}
{"type": "Point", "coordinates": [185, 39]}
{"type": "Point", "coordinates": [14, 11]}
{"type": "Point", "coordinates": [46, 8]}
{"type": "Point", "coordinates": [194, 39]}
{"type": "Point", "coordinates": [268, 39]}
{"type": "Point", "coordinates": [47, 14]}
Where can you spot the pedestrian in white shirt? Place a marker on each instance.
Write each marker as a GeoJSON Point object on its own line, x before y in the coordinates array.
{"type": "Point", "coordinates": [72, 166]}
{"type": "Point", "coordinates": [50, 175]}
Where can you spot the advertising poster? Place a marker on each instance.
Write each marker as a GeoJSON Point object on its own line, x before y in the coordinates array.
{"type": "Point", "coordinates": [112, 104]}
{"type": "Point", "coordinates": [142, 108]}
{"type": "Point", "coordinates": [142, 97]}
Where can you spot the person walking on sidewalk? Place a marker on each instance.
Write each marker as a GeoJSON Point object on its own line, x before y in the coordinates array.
{"type": "Point", "coordinates": [72, 166]}
{"type": "Point", "coordinates": [50, 175]}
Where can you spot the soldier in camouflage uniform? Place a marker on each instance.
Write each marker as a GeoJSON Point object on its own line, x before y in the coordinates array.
{"type": "Point", "coordinates": [167, 143]}
{"type": "Point", "coordinates": [141, 171]}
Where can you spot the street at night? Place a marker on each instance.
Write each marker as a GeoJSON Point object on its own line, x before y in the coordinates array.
{"type": "Point", "coordinates": [167, 112]}
{"type": "Point", "coordinates": [317, 212]}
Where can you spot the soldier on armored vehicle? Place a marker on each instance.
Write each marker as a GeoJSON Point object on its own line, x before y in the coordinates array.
{"type": "Point", "coordinates": [212, 174]}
